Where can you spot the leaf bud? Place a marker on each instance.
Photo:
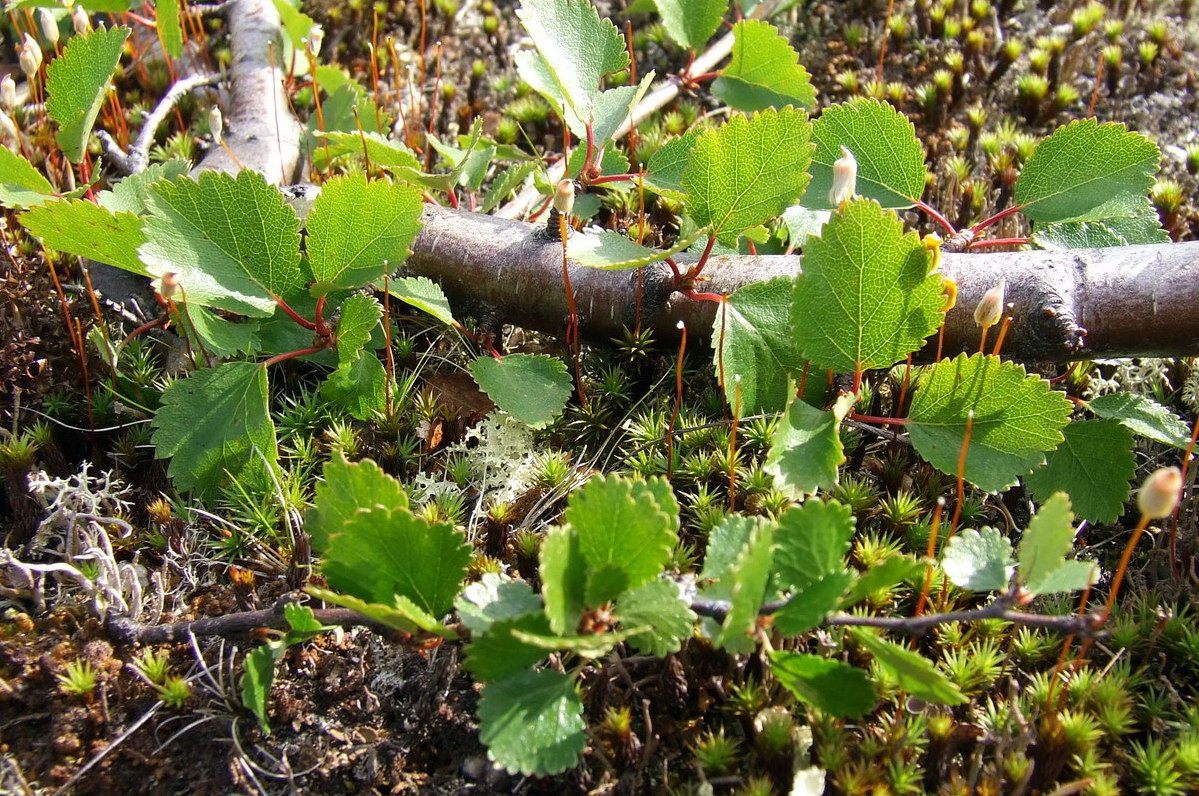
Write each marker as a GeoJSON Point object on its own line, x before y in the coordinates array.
{"type": "Point", "coordinates": [216, 123]}
{"type": "Point", "coordinates": [314, 39]}
{"type": "Point", "coordinates": [8, 93]}
{"type": "Point", "coordinates": [30, 57]}
{"type": "Point", "coordinates": [564, 197]}
{"type": "Point", "coordinates": [1159, 494]}
{"type": "Point", "coordinates": [845, 178]}
{"type": "Point", "coordinates": [49, 25]}
{"type": "Point", "coordinates": [80, 20]}
{"type": "Point", "coordinates": [990, 306]}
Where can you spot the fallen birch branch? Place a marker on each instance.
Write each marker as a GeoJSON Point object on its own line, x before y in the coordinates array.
{"type": "Point", "coordinates": [1082, 304]}
{"type": "Point", "coordinates": [1116, 302]}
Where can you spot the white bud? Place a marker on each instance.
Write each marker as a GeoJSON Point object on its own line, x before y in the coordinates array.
{"type": "Point", "coordinates": [314, 39]}
{"type": "Point", "coordinates": [8, 132]}
{"type": "Point", "coordinates": [216, 123]}
{"type": "Point", "coordinates": [845, 178]}
{"type": "Point", "coordinates": [990, 306]}
{"type": "Point", "coordinates": [30, 57]}
{"type": "Point", "coordinates": [168, 285]}
{"type": "Point", "coordinates": [1160, 492]}
{"type": "Point", "coordinates": [80, 20]}
{"type": "Point", "coordinates": [8, 93]}
{"type": "Point", "coordinates": [564, 197]}
{"type": "Point", "coordinates": [49, 24]}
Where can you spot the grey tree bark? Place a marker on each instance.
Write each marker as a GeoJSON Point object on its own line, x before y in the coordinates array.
{"type": "Point", "coordinates": [1117, 302]}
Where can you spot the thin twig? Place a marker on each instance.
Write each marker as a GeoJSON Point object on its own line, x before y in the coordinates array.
{"type": "Point", "coordinates": [129, 631]}
{"type": "Point", "coordinates": [138, 157]}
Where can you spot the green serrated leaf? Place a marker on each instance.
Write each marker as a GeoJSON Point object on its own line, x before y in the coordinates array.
{"type": "Point", "coordinates": [1143, 416]}
{"type": "Point", "coordinates": [665, 168]}
{"type": "Point", "coordinates": [882, 140]}
{"type": "Point", "coordinates": [170, 33]}
{"type": "Point", "coordinates": [77, 82]}
{"type": "Point", "coordinates": [382, 552]}
{"type": "Point", "coordinates": [660, 606]}
{"type": "Point", "coordinates": [630, 526]}
{"type": "Point", "coordinates": [1044, 546]}
{"type": "Point", "coordinates": [800, 224]}
{"type": "Point", "coordinates": [359, 383]}
{"type": "Point", "coordinates": [256, 682]}
{"type": "Point", "coordinates": [215, 423]}
{"type": "Point", "coordinates": [1071, 576]}
{"type": "Point", "coordinates": [500, 653]}
{"type": "Point", "coordinates": [754, 342]}
{"type": "Point", "coordinates": [807, 608]}
{"type": "Point", "coordinates": [233, 242]}
{"type": "Point", "coordinates": [806, 450]}
{"type": "Point", "coordinates": [532, 723]}
{"type": "Point", "coordinates": [495, 598]}
{"type": "Point", "coordinates": [346, 488]}
{"type": "Point", "coordinates": [591, 646]}
{"type": "Point", "coordinates": [1144, 226]}
{"type": "Point", "coordinates": [131, 194]}
{"type": "Point", "coordinates": [1017, 419]}
{"type": "Point", "coordinates": [691, 22]}
{"type": "Point", "coordinates": [218, 336]}
{"type": "Point", "coordinates": [402, 615]}
{"type": "Point", "coordinates": [78, 227]}
{"type": "Point", "coordinates": [21, 184]}
{"type": "Point", "coordinates": [979, 560]}
{"type": "Point", "coordinates": [533, 388]}
{"type": "Point", "coordinates": [1085, 165]}
{"type": "Point", "coordinates": [914, 674]}
{"type": "Point", "coordinates": [725, 543]}
{"type": "Point", "coordinates": [764, 71]}
{"type": "Point", "coordinates": [349, 109]}
{"type": "Point", "coordinates": [296, 24]}
{"type": "Point", "coordinates": [360, 388]}
{"type": "Point", "coordinates": [360, 317]}
{"type": "Point", "coordinates": [892, 571]}
{"type": "Point", "coordinates": [812, 540]}
{"type": "Point", "coordinates": [575, 50]}
{"type": "Point", "coordinates": [1048, 539]}
{"type": "Point", "coordinates": [611, 251]}
{"type": "Point", "coordinates": [614, 107]}
{"type": "Point", "coordinates": [563, 578]}
{"type": "Point", "coordinates": [865, 298]}
{"type": "Point", "coordinates": [360, 230]}
{"type": "Point", "coordinates": [1094, 466]}
{"type": "Point", "coordinates": [749, 578]}
{"type": "Point", "coordinates": [381, 151]}
{"type": "Point", "coordinates": [422, 293]}
{"type": "Point", "coordinates": [507, 182]}
{"type": "Point", "coordinates": [468, 163]}
{"type": "Point", "coordinates": [831, 686]}
{"type": "Point", "coordinates": [748, 171]}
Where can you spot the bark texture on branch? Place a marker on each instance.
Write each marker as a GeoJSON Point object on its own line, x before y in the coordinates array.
{"type": "Point", "coordinates": [261, 130]}
{"type": "Point", "coordinates": [1118, 302]}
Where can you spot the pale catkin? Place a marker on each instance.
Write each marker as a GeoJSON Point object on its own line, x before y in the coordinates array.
{"type": "Point", "coordinates": [1160, 492]}
{"type": "Point", "coordinates": [990, 306]}
{"type": "Point", "coordinates": [845, 178]}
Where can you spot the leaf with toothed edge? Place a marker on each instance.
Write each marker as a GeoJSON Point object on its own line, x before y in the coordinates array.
{"type": "Point", "coordinates": [748, 171]}
{"type": "Point", "coordinates": [532, 723]}
{"type": "Point", "coordinates": [1015, 419]}
{"type": "Point", "coordinates": [77, 83]}
{"type": "Point", "coordinates": [360, 230]}
{"type": "Point", "coordinates": [884, 144]}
